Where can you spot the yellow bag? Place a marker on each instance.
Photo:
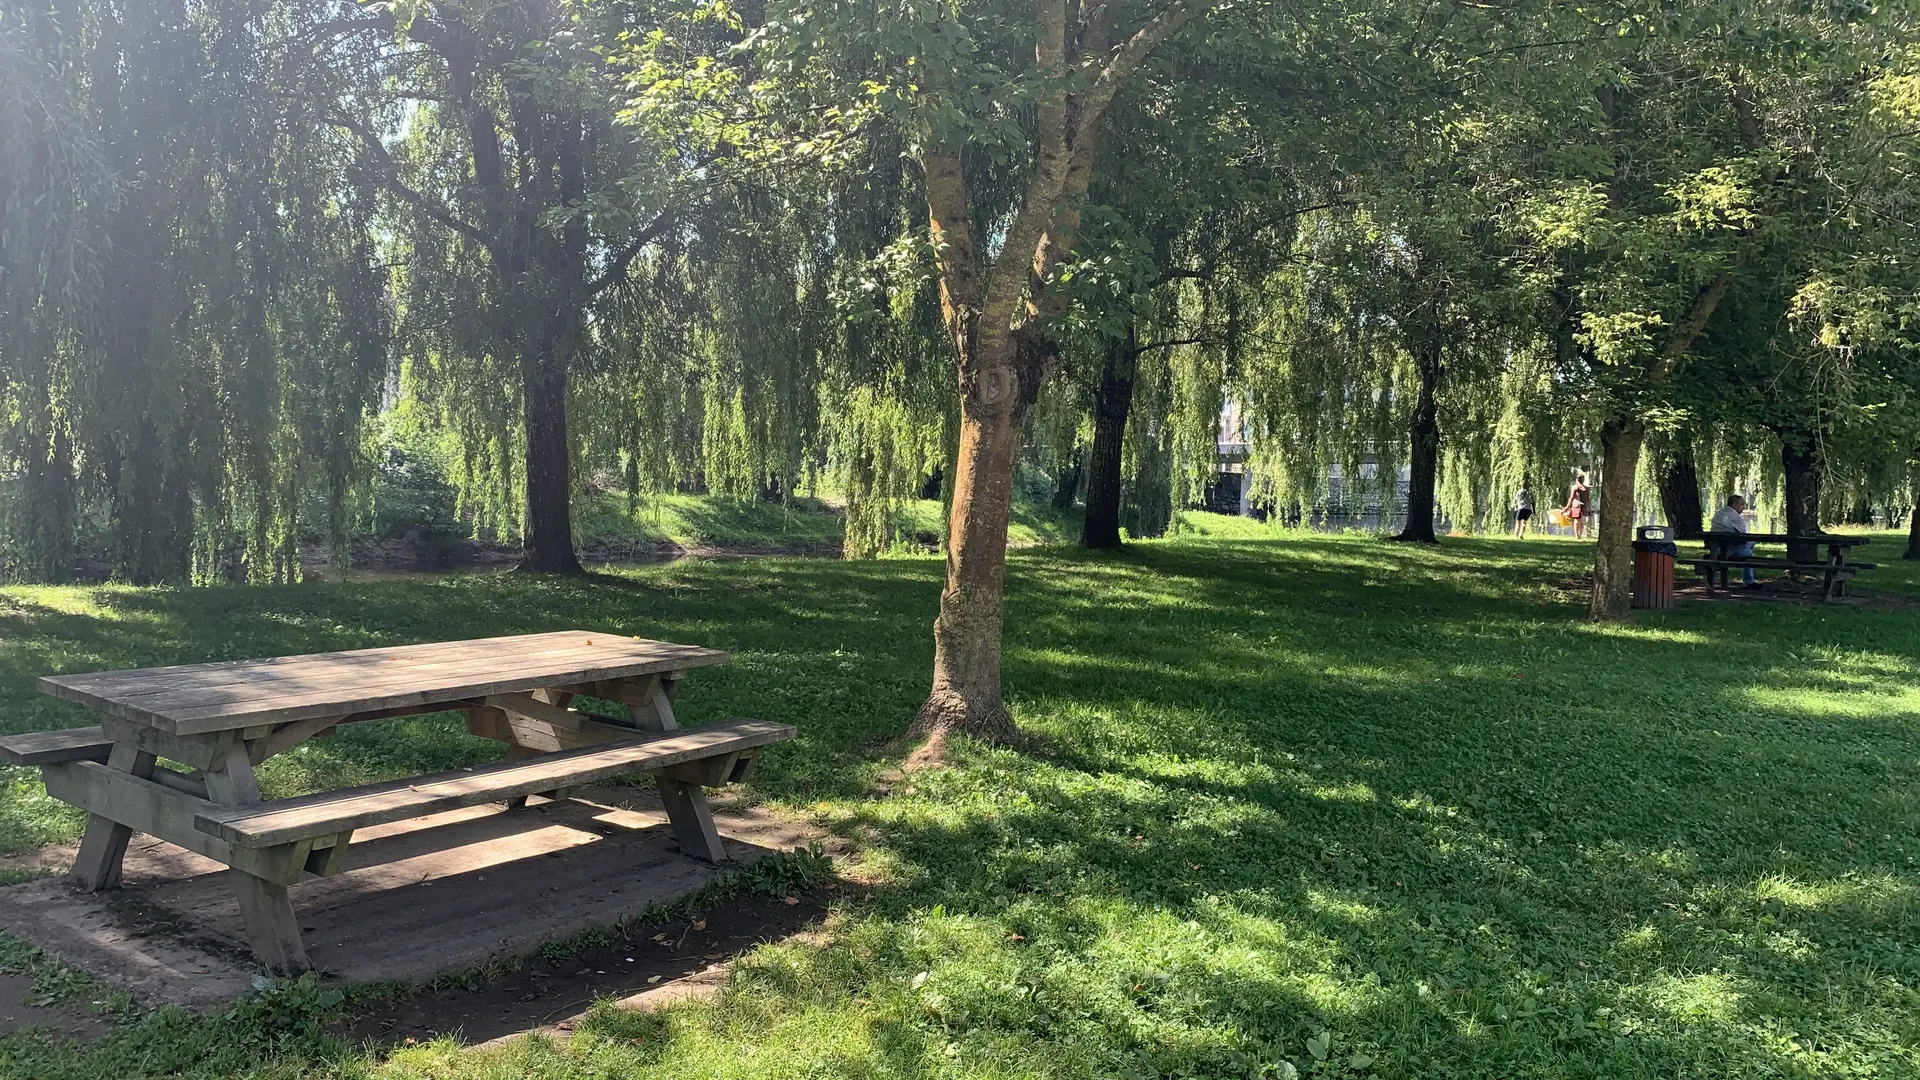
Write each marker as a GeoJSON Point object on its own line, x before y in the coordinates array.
{"type": "Point", "coordinates": [1559, 517]}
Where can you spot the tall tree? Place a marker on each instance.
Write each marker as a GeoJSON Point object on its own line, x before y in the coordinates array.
{"type": "Point", "coordinates": [524, 206]}
{"type": "Point", "coordinates": [234, 340]}
{"type": "Point", "coordinates": [1006, 148]}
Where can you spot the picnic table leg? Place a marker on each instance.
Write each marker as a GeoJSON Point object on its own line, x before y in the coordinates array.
{"type": "Point", "coordinates": [265, 906]}
{"type": "Point", "coordinates": [656, 712]}
{"type": "Point", "coordinates": [517, 752]}
{"type": "Point", "coordinates": [104, 845]}
{"type": "Point", "coordinates": [692, 819]}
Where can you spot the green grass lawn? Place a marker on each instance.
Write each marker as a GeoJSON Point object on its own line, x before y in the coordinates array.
{"type": "Point", "coordinates": [1324, 806]}
{"type": "Point", "coordinates": [804, 525]}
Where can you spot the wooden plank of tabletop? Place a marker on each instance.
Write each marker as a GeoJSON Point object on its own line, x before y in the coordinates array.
{"type": "Point", "coordinates": [143, 679]}
{"type": "Point", "coordinates": [1789, 538]}
{"type": "Point", "coordinates": [201, 698]}
{"type": "Point", "coordinates": [294, 672]}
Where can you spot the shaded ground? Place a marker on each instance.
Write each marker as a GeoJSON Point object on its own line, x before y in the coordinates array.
{"type": "Point", "coordinates": [562, 981]}
{"type": "Point", "coordinates": [415, 900]}
{"type": "Point", "coordinates": [1315, 806]}
{"type": "Point", "coordinates": [24, 1005]}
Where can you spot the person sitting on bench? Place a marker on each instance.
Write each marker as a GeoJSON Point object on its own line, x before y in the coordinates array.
{"type": "Point", "coordinates": [1732, 518]}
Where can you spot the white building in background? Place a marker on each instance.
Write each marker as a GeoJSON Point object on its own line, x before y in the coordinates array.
{"type": "Point", "coordinates": [1232, 491]}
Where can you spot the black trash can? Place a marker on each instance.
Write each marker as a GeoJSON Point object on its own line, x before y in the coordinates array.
{"type": "Point", "coordinates": [1653, 555]}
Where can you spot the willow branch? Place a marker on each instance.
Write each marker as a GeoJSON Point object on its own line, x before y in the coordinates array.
{"type": "Point", "coordinates": [389, 178]}
{"type": "Point", "coordinates": [1690, 328]}
{"type": "Point", "coordinates": [622, 259]}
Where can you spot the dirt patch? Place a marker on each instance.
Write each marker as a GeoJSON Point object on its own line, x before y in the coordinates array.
{"type": "Point", "coordinates": [22, 1006]}
{"type": "Point", "coordinates": [41, 862]}
{"type": "Point", "coordinates": [414, 902]}
{"type": "Point", "coordinates": [554, 986]}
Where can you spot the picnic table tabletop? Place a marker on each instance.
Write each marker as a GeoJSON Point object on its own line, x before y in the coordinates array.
{"type": "Point", "coordinates": [235, 694]}
{"type": "Point", "coordinates": [1833, 539]}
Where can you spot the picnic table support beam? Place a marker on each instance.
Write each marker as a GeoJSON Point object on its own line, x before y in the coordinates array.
{"type": "Point", "coordinates": [265, 906]}
{"type": "Point", "coordinates": [692, 818]}
{"type": "Point", "coordinates": [103, 848]}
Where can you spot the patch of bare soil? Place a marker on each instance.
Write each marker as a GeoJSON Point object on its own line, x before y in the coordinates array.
{"type": "Point", "coordinates": [23, 1007]}
{"type": "Point", "coordinates": [551, 988]}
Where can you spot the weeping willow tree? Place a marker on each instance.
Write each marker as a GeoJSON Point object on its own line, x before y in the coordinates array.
{"type": "Point", "coordinates": [1320, 397]}
{"type": "Point", "coordinates": [54, 196]}
{"type": "Point", "coordinates": [208, 337]}
{"type": "Point", "coordinates": [889, 421]}
{"type": "Point", "coordinates": [521, 212]}
{"type": "Point", "coordinates": [1379, 338]}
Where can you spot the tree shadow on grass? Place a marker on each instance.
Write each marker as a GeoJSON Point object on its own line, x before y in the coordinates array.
{"type": "Point", "coordinates": [1310, 785]}
{"type": "Point", "coordinates": [1509, 940]}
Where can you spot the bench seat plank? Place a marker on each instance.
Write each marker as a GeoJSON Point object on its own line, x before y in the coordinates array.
{"type": "Point", "coordinates": [1778, 564]}
{"type": "Point", "coordinates": [49, 747]}
{"type": "Point", "coordinates": [290, 820]}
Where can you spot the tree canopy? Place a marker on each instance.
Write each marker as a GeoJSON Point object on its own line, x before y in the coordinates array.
{"type": "Point", "coordinates": [262, 260]}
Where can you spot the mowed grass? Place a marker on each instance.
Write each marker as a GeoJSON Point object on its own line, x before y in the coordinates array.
{"type": "Point", "coordinates": [1322, 806]}
{"type": "Point", "coordinates": [804, 526]}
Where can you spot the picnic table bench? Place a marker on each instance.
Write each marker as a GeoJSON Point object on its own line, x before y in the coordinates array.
{"type": "Point", "coordinates": [221, 720]}
{"type": "Point", "coordinates": [1835, 570]}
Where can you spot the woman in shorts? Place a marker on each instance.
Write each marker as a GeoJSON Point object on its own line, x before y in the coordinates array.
{"type": "Point", "coordinates": [1579, 498]}
{"type": "Point", "coordinates": [1522, 508]}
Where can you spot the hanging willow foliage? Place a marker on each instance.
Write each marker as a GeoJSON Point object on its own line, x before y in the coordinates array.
{"type": "Point", "coordinates": [1320, 386]}
{"type": "Point", "coordinates": [55, 195]}
{"type": "Point", "coordinates": [178, 402]}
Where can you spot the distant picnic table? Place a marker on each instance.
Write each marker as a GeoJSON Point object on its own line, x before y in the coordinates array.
{"type": "Point", "coordinates": [221, 720]}
{"type": "Point", "coordinates": [1835, 570]}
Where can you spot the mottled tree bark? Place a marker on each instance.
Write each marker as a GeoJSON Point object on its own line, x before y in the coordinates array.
{"type": "Point", "coordinates": [966, 693]}
{"type": "Point", "coordinates": [1680, 490]}
{"type": "Point", "coordinates": [1620, 440]}
{"type": "Point", "coordinates": [1111, 403]}
{"type": "Point", "coordinates": [1001, 368]}
{"type": "Point", "coordinates": [1423, 463]}
{"type": "Point", "coordinates": [1800, 459]}
{"type": "Point", "coordinates": [547, 539]}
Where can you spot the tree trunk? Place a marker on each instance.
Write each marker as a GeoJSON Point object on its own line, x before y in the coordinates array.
{"type": "Point", "coordinates": [1913, 535]}
{"type": "Point", "coordinates": [1620, 440]}
{"type": "Point", "coordinates": [1801, 462]}
{"type": "Point", "coordinates": [1066, 487]}
{"type": "Point", "coordinates": [1111, 403]}
{"type": "Point", "coordinates": [547, 533]}
{"type": "Point", "coordinates": [994, 403]}
{"type": "Point", "coordinates": [1680, 490]}
{"type": "Point", "coordinates": [1424, 463]}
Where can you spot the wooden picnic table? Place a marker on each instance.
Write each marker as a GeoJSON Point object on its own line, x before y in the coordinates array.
{"type": "Point", "coordinates": [221, 720]}
{"type": "Point", "coordinates": [1835, 569]}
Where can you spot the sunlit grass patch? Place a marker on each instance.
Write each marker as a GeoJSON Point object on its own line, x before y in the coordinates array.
{"type": "Point", "coordinates": [1292, 799]}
